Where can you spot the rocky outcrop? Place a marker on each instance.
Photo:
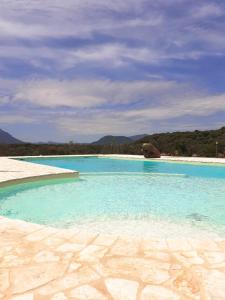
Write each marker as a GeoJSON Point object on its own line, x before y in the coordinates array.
{"type": "Point", "coordinates": [150, 151]}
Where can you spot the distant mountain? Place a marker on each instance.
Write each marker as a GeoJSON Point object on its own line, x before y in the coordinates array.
{"type": "Point", "coordinates": [118, 140]}
{"type": "Point", "coordinates": [113, 140]}
{"type": "Point", "coordinates": [6, 138]}
{"type": "Point", "coordinates": [137, 137]}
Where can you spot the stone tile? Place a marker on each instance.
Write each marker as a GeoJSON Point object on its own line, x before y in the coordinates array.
{"type": "Point", "coordinates": [187, 281]}
{"type": "Point", "coordinates": [122, 289]}
{"type": "Point", "coordinates": [179, 245]}
{"type": "Point", "coordinates": [4, 280]}
{"type": "Point", "coordinates": [92, 253]}
{"type": "Point", "coordinates": [73, 267]}
{"type": "Point", "coordinates": [29, 296]}
{"type": "Point", "coordinates": [125, 247]}
{"type": "Point", "coordinates": [46, 256]}
{"type": "Point", "coordinates": [147, 270]}
{"type": "Point", "coordinates": [154, 292]}
{"type": "Point", "coordinates": [59, 296]}
{"type": "Point", "coordinates": [206, 245]}
{"type": "Point", "coordinates": [104, 240]}
{"type": "Point", "coordinates": [188, 258]}
{"type": "Point", "coordinates": [83, 237]}
{"type": "Point", "coordinates": [103, 270]}
{"type": "Point", "coordinates": [10, 239]}
{"type": "Point", "coordinates": [70, 247]}
{"type": "Point", "coordinates": [65, 257]}
{"type": "Point", "coordinates": [215, 284]}
{"type": "Point", "coordinates": [158, 255]}
{"type": "Point", "coordinates": [53, 241]}
{"type": "Point", "coordinates": [214, 257]}
{"type": "Point", "coordinates": [12, 260]}
{"type": "Point", "coordinates": [153, 245]}
{"type": "Point", "coordinates": [87, 292]}
{"type": "Point", "coordinates": [82, 276]}
{"type": "Point", "coordinates": [221, 244]}
{"type": "Point", "coordinates": [21, 227]}
{"type": "Point", "coordinates": [67, 234]}
{"type": "Point", "coordinates": [30, 277]}
{"type": "Point", "coordinates": [41, 234]}
{"type": "Point", "coordinates": [26, 227]}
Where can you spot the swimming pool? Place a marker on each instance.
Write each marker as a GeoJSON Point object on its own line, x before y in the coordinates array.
{"type": "Point", "coordinates": [149, 195]}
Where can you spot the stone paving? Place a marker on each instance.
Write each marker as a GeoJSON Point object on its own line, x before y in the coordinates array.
{"type": "Point", "coordinates": [15, 171]}
{"type": "Point", "coordinates": [39, 262]}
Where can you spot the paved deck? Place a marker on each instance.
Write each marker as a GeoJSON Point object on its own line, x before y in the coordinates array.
{"type": "Point", "coordinates": [14, 171]}
{"type": "Point", "coordinates": [39, 262]}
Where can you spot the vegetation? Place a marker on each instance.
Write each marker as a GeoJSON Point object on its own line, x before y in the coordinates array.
{"type": "Point", "coordinates": [119, 140]}
{"type": "Point", "coordinates": [66, 149]}
{"type": "Point", "coordinates": [199, 143]}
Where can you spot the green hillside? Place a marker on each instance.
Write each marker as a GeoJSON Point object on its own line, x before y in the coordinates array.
{"type": "Point", "coordinates": [201, 143]}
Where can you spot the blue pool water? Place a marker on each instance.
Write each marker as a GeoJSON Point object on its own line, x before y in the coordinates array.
{"type": "Point", "coordinates": [97, 164]}
{"type": "Point", "coordinates": [115, 189]}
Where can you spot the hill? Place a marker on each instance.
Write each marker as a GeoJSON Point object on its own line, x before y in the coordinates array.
{"type": "Point", "coordinates": [118, 140]}
{"type": "Point", "coordinates": [6, 138]}
{"type": "Point", "coordinates": [188, 143]}
{"type": "Point", "coordinates": [113, 140]}
{"type": "Point", "coordinates": [137, 137]}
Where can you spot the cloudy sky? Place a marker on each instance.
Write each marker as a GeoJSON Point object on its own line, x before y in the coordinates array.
{"type": "Point", "coordinates": [80, 69]}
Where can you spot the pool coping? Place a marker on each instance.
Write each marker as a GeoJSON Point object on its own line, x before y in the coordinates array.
{"type": "Point", "coordinates": [13, 171]}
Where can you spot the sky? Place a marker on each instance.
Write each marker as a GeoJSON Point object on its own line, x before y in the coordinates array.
{"type": "Point", "coordinates": [80, 69]}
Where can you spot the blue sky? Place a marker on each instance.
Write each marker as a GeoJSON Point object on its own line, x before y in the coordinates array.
{"type": "Point", "coordinates": [77, 70]}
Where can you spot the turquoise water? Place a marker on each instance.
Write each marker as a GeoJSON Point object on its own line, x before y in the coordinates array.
{"type": "Point", "coordinates": [110, 189]}
{"type": "Point", "coordinates": [95, 164]}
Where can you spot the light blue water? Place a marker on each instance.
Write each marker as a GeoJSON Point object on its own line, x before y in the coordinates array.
{"type": "Point", "coordinates": [95, 164]}
{"type": "Point", "coordinates": [197, 197]}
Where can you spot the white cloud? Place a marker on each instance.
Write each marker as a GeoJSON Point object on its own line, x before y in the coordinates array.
{"type": "Point", "coordinates": [156, 99]}
{"type": "Point", "coordinates": [194, 106]}
{"type": "Point", "coordinates": [160, 117]}
{"type": "Point", "coordinates": [207, 10]}
{"type": "Point", "coordinates": [14, 118]}
{"type": "Point", "coordinates": [117, 54]}
{"type": "Point", "coordinates": [97, 107]}
{"type": "Point", "coordinates": [91, 93]}
{"type": "Point", "coordinates": [20, 30]}
{"type": "Point", "coordinates": [156, 35]}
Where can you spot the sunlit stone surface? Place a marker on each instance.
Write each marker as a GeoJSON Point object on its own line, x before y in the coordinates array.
{"type": "Point", "coordinates": [37, 262]}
